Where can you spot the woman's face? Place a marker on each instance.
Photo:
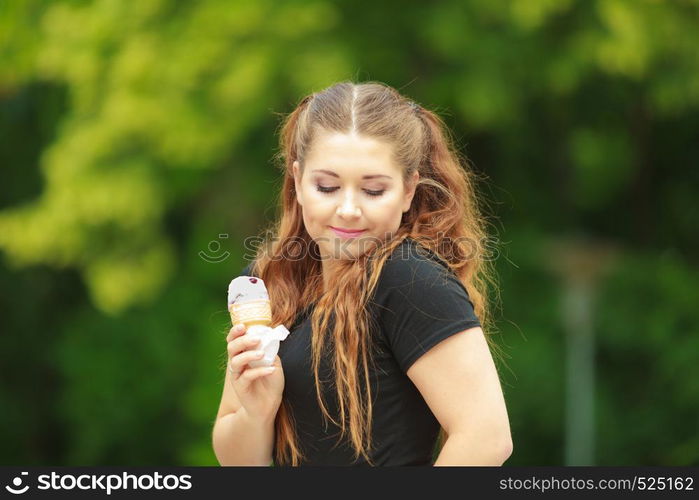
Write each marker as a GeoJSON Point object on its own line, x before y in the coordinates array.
{"type": "Point", "coordinates": [351, 182]}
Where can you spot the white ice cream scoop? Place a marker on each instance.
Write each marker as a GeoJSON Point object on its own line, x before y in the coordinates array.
{"type": "Point", "coordinates": [245, 289]}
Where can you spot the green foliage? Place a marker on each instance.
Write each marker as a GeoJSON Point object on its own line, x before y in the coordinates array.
{"type": "Point", "coordinates": [647, 361]}
{"type": "Point", "coordinates": [154, 88]}
{"type": "Point", "coordinates": [133, 134]}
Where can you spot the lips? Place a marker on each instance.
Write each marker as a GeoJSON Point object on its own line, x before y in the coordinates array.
{"type": "Point", "coordinates": [347, 232]}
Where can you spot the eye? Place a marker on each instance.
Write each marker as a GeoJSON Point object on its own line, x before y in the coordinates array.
{"type": "Point", "coordinates": [374, 193]}
{"type": "Point", "coordinates": [328, 190]}
{"type": "Point", "coordinates": [323, 189]}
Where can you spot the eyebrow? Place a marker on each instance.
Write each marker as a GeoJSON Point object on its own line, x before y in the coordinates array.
{"type": "Point", "coordinates": [330, 172]}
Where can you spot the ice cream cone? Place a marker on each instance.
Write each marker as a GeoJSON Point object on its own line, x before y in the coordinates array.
{"type": "Point", "coordinates": [248, 303]}
{"type": "Point", "coordinates": [253, 312]}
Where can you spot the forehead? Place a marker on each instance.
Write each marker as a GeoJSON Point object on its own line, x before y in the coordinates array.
{"type": "Point", "coordinates": [351, 154]}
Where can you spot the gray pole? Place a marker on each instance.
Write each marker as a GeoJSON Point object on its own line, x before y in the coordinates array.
{"type": "Point", "coordinates": [580, 374]}
{"type": "Point", "coordinates": [580, 264]}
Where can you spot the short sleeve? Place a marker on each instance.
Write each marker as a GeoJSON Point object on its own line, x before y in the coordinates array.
{"type": "Point", "coordinates": [421, 302]}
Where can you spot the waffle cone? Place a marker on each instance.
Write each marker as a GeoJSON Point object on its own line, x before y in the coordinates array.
{"type": "Point", "coordinates": [254, 312]}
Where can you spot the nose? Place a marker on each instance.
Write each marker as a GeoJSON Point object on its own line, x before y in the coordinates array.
{"type": "Point", "coordinates": [348, 208]}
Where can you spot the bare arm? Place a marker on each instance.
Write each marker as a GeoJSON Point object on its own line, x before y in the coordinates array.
{"type": "Point", "coordinates": [238, 440]}
{"type": "Point", "coordinates": [460, 384]}
{"type": "Point", "coordinates": [459, 450]}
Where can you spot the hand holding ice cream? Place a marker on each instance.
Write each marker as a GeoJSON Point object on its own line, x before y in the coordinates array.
{"type": "Point", "coordinates": [248, 303]}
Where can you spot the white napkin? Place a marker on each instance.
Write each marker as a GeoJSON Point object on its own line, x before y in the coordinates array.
{"type": "Point", "coordinates": [269, 342]}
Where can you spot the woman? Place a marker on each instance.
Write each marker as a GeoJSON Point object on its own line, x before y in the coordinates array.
{"type": "Point", "coordinates": [378, 270]}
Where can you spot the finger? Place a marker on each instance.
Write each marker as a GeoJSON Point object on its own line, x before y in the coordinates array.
{"type": "Point", "coordinates": [254, 373]}
{"type": "Point", "coordinates": [241, 344]}
{"type": "Point", "coordinates": [236, 331]}
{"type": "Point", "coordinates": [238, 363]}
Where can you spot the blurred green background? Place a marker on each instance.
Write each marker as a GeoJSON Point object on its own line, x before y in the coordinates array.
{"type": "Point", "coordinates": [134, 136]}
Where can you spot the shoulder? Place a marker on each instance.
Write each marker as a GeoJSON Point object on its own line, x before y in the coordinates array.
{"type": "Point", "coordinates": [419, 302]}
{"type": "Point", "coordinates": [415, 273]}
{"type": "Point", "coordinates": [412, 263]}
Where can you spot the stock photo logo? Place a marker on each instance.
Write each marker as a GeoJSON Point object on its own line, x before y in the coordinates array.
{"type": "Point", "coordinates": [108, 483]}
{"type": "Point", "coordinates": [17, 483]}
{"type": "Point", "coordinates": [214, 247]}
{"type": "Point", "coordinates": [486, 248]}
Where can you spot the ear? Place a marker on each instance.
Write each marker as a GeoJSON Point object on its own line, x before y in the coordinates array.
{"type": "Point", "coordinates": [296, 169]}
{"type": "Point", "coordinates": [410, 191]}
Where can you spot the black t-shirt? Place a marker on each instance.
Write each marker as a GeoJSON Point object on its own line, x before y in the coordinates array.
{"type": "Point", "coordinates": [418, 302]}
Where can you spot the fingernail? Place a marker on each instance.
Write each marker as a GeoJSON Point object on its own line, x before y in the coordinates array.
{"type": "Point", "coordinates": [270, 369]}
{"type": "Point", "coordinates": [259, 353]}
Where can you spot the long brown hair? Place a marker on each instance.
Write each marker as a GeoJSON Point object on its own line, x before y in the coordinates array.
{"type": "Point", "coordinates": [444, 217]}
